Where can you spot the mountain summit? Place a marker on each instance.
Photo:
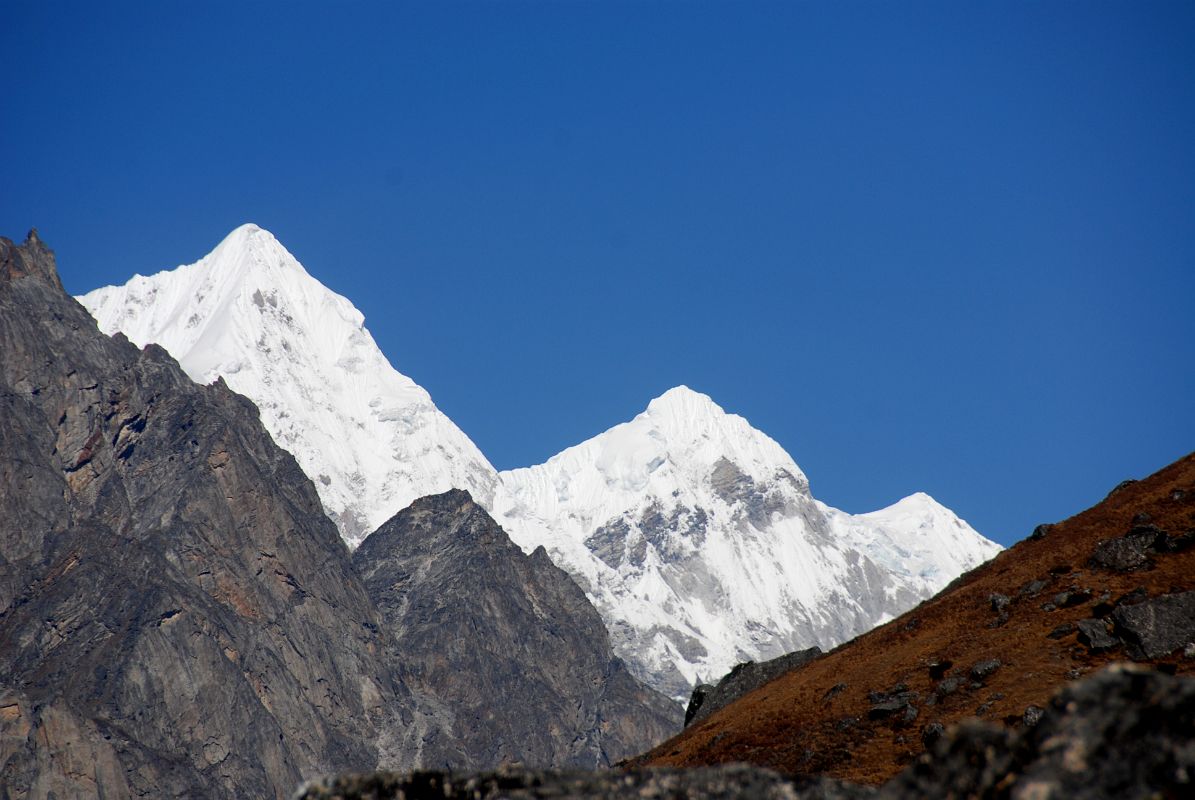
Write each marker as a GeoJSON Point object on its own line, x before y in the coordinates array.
{"type": "Point", "coordinates": [694, 534]}
{"type": "Point", "coordinates": [368, 436]}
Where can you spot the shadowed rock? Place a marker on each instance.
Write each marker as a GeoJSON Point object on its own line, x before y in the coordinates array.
{"type": "Point", "coordinates": [744, 678]}
{"type": "Point", "coordinates": [1094, 634]}
{"type": "Point", "coordinates": [708, 783]}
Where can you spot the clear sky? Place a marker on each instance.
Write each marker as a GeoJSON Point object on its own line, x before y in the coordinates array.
{"type": "Point", "coordinates": [941, 247]}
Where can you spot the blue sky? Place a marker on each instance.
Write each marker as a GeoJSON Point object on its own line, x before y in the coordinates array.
{"type": "Point", "coordinates": [942, 247]}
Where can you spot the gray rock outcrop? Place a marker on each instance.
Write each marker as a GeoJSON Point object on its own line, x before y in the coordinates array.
{"type": "Point", "coordinates": [744, 678]}
{"type": "Point", "coordinates": [505, 655]}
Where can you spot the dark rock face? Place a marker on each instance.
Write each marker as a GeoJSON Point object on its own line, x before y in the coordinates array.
{"type": "Point", "coordinates": [707, 783]}
{"type": "Point", "coordinates": [1125, 732]}
{"type": "Point", "coordinates": [696, 700]}
{"type": "Point", "coordinates": [177, 615]}
{"type": "Point", "coordinates": [744, 678]}
{"type": "Point", "coordinates": [507, 659]}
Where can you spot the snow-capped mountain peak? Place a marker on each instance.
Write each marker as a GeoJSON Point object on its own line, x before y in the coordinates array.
{"type": "Point", "coordinates": [368, 436]}
{"type": "Point", "coordinates": [917, 538]}
{"type": "Point", "coordinates": [706, 434]}
{"type": "Point", "coordinates": [694, 534]}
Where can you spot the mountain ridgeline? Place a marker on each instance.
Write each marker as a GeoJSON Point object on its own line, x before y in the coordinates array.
{"type": "Point", "coordinates": [179, 617]}
{"type": "Point", "coordinates": [694, 535]}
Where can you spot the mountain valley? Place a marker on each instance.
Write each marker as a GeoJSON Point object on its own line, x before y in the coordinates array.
{"type": "Point", "coordinates": [187, 610]}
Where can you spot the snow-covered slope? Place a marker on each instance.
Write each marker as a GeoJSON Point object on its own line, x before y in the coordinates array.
{"type": "Point", "coordinates": [369, 437]}
{"type": "Point", "coordinates": [698, 540]}
{"type": "Point", "coordinates": [694, 534]}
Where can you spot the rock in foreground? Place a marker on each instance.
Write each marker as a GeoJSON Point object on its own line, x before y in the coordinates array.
{"type": "Point", "coordinates": [706, 783]}
{"type": "Point", "coordinates": [1125, 732]}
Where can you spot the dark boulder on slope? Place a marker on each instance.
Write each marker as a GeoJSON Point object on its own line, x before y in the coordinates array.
{"type": "Point", "coordinates": [1158, 626]}
{"type": "Point", "coordinates": [177, 615]}
{"type": "Point", "coordinates": [507, 658]}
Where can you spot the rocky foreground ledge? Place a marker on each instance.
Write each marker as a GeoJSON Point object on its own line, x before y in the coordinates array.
{"type": "Point", "coordinates": [1126, 732]}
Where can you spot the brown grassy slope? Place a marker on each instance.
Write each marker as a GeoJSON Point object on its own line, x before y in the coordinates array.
{"type": "Point", "coordinates": [797, 724]}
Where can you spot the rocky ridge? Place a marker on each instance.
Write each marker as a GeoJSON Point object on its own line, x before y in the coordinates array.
{"type": "Point", "coordinates": [508, 660]}
{"type": "Point", "coordinates": [744, 678]}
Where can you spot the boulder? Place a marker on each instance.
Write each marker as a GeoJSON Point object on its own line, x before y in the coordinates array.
{"type": "Point", "coordinates": [1129, 552]}
{"type": "Point", "coordinates": [1157, 627]}
{"type": "Point", "coordinates": [985, 669]}
{"type": "Point", "coordinates": [1094, 634]}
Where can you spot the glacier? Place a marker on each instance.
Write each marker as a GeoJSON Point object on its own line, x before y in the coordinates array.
{"type": "Point", "coordinates": [694, 534]}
